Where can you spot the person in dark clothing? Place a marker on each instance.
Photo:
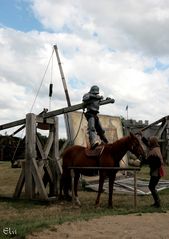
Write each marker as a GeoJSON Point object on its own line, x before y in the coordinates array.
{"type": "Point", "coordinates": [92, 102]}
{"type": "Point", "coordinates": [155, 161]}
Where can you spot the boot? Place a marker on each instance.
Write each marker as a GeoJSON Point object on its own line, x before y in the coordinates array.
{"type": "Point", "coordinates": [93, 139]}
{"type": "Point", "coordinates": [156, 199]}
{"type": "Point", "coordinates": [94, 145]}
{"type": "Point", "coordinates": [104, 139]}
{"type": "Point", "coordinates": [156, 204]}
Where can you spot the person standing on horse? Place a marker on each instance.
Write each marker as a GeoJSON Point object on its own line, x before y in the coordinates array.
{"type": "Point", "coordinates": [155, 161]}
{"type": "Point", "coordinates": [92, 102]}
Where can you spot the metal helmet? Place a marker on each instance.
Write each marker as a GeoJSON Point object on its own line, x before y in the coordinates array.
{"type": "Point", "coordinates": [94, 89]}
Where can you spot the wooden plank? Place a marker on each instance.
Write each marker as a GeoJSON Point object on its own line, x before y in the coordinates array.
{"type": "Point", "coordinates": [156, 122]}
{"type": "Point", "coordinates": [38, 181]}
{"type": "Point", "coordinates": [161, 129]}
{"type": "Point", "coordinates": [39, 145]}
{"type": "Point", "coordinates": [12, 124]}
{"type": "Point", "coordinates": [20, 183]}
{"type": "Point", "coordinates": [18, 130]}
{"type": "Point", "coordinates": [44, 123]}
{"type": "Point", "coordinates": [54, 113]}
{"type": "Point", "coordinates": [73, 108]}
{"type": "Point", "coordinates": [48, 170]}
{"type": "Point", "coordinates": [48, 144]}
{"type": "Point", "coordinates": [40, 119]}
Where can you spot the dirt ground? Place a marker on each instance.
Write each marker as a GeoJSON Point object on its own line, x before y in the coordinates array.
{"type": "Point", "coordinates": [138, 226]}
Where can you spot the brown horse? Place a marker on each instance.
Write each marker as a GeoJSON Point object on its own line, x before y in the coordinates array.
{"type": "Point", "coordinates": [75, 156]}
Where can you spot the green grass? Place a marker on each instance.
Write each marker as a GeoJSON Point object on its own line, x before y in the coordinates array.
{"type": "Point", "coordinates": [26, 216]}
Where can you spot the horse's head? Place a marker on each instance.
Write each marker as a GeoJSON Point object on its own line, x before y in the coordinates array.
{"type": "Point", "coordinates": [135, 147]}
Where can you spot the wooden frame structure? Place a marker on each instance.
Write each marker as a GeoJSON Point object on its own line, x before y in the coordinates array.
{"type": "Point", "coordinates": [160, 129]}
{"type": "Point", "coordinates": [37, 171]}
{"type": "Point", "coordinates": [41, 164]}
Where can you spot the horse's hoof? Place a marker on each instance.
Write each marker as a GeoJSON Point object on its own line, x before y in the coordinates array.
{"type": "Point", "coordinates": [68, 198]}
{"type": "Point", "coordinates": [110, 206]}
{"type": "Point", "coordinates": [97, 205]}
{"type": "Point", "coordinates": [77, 201]}
{"type": "Point", "coordinates": [60, 197]}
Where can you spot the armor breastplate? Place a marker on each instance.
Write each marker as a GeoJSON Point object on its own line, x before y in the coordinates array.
{"type": "Point", "coordinates": [91, 104]}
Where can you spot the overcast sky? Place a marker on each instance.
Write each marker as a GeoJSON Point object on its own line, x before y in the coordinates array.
{"type": "Point", "coordinates": [120, 45]}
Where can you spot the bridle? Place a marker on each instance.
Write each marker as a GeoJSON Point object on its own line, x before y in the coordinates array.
{"type": "Point", "coordinates": [134, 150]}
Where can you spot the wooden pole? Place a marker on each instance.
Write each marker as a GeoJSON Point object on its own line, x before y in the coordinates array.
{"type": "Point", "coordinates": [66, 115]}
{"type": "Point", "coordinates": [56, 167]}
{"type": "Point", "coordinates": [30, 153]}
{"type": "Point", "coordinates": [135, 189]}
{"type": "Point", "coordinates": [62, 76]}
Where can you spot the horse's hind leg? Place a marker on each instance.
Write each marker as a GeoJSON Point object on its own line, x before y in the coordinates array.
{"type": "Point", "coordinates": [76, 180]}
{"type": "Point", "coordinates": [100, 189]}
{"type": "Point", "coordinates": [65, 186]}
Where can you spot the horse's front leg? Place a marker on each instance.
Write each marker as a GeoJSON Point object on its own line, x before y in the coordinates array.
{"type": "Point", "coordinates": [100, 189]}
{"type": "Point", "coordinates": [112, 177]}
{"type": "Point", "coordinates": [65, 184]}
{"type": "Point", "coordinates": [76, 181]}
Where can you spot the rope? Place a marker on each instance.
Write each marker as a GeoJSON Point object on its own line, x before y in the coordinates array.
{"type": "Point", "coordinates": [51, 85]}
{"type": "Point", "coordinates": [78, 128]}
{"type": "Point", "coordinates": [18, 144]}
{"type": "Point", "coordinates": [13, 157]}
{"type": "Point", "coordinates": [41, 82]}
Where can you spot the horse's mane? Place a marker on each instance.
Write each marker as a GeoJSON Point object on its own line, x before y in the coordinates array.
{"type": "Point", "coordinates": [117, 143]}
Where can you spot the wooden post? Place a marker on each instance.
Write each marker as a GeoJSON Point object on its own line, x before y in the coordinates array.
{"type": "Point", "coordinates": [33, 177]}
{"type": "Point", "coordinates": [54, 162]}
{"type": "Point", "coordinates": [135, 189]}
{"type": "Point", "coordinates": [30, 153]}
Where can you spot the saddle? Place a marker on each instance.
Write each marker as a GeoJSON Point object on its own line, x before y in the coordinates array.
{"type": "Point", "coordinates": [97, 152]}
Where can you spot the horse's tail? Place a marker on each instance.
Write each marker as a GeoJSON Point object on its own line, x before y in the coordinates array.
{"type": "Point", "coordinates": [65, 185]}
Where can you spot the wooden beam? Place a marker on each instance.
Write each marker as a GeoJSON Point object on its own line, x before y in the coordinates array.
{"type": "Point", "coordinates": [20, 183]}
{"type": "Point", "coordinates": [42, 153]}
{"type": "Point", "coordinates": [156, 122]}
{"type": "Point", "coordinates": [161, 129]}
{"type": "Point", "coordinates": [12, 124]}
{"type": "Point", "coordinates": [38, 181]}
{"type": "Point", "coordinates": [74, 108]}
{"type": "Point", "coordinates": [53, 113]}
{"type": "Point", "coordinates": [40, 119]}
{"type": "Point", "coordinates": [18, 130]}
{"type": "Point", "coordinates": [48, 144]}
